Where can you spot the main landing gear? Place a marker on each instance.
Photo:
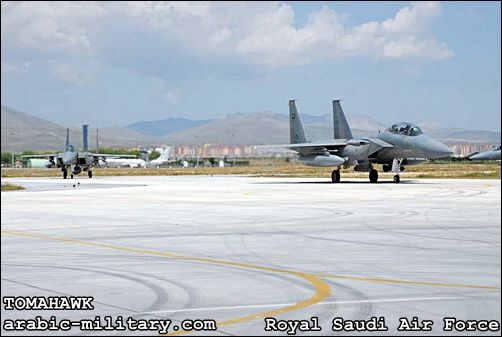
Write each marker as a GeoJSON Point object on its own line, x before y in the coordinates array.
{"type": "Point", "coordinates": [335, 176]}
{"type": "Point", "coordinates": [373, 174]}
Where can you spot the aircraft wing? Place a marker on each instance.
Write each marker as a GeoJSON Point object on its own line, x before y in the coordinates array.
{"type": "Point", "coordinates": [302, 148]}
{"type": "Point", "coordinates": [322, 147]}
{"type": "Point", "coordinates": [41, 155]}
{"type": "Point", "coordinates": [331, 143]}
{"type": "Point", "coordinates": [321, 144]}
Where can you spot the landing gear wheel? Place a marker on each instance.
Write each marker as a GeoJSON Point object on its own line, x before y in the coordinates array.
{"type": "Point", "coordinates": [335, 176]}
{"type": "Point", "coordinates": [71, 175]}
{"type": "Point", "coordinates": [397, 179]}
{"type": "Point", "coordinates": [373, 176]}
{"type": "Point", "coordinates": [89, 173]}
{"type": "Point", "coordinates": [65, 174]}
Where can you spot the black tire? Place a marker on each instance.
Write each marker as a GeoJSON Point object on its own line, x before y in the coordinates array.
{"type": "Point", "coordinates": [65, 174]}
{"type": "Point", "coordinates": [89, 173]}
{"type": "Point", "coordinates": [373, 176]}
{"type": "Point", "coordinates": [397, 179]}
{"type": "Point", "coordinates": [335, 176]}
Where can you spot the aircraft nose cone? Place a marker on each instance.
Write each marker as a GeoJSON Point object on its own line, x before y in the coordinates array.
{"type": "Point", "coordinates": [445, 150]}
{"type": "Point", "coordinates": [69, 158]}
{"type": "Point", "coordinates": [435, 149]}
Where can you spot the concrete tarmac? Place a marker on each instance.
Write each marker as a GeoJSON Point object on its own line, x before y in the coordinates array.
{"type": "Point", "coordinates": [239, 249]}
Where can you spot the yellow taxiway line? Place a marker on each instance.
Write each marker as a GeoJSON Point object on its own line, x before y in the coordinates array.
{"type": "Point", "coordinates": [419, 283]}
{"type": "Point", "coordinates": [322, 290]}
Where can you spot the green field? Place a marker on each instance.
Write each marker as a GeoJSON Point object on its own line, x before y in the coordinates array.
{"type": "Point", "coordinates": [489, 170]}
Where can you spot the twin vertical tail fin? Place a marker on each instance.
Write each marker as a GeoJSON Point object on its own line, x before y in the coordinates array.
{"type": "Point", "coordinates": [340, 126]}
{"type": "Point", "coordinates": [296, 134]}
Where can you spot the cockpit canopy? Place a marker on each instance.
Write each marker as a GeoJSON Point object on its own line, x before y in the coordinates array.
{"type": "Point", "coordinates": [407, 129]}
{"type": "Point", "coordinates": [70, 148]}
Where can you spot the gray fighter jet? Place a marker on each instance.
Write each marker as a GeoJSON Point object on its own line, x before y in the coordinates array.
{"type": "Point", "coordinates": [399, 145]}
{"type": "Point", "coordinates": [493, 154]}
{"type": "Point", "coordinates": [74, 160]}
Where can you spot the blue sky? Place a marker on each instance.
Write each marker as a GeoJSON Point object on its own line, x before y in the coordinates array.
{"type": "Point", "coordinates": [116, 63]}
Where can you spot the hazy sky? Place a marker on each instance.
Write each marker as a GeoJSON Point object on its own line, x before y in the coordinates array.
{"type": "Point", "coordinates": [115, 63]}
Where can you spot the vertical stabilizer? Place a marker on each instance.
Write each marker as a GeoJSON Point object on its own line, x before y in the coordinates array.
{"type": "Point", "coordinates": [67, 138]}
{"type": "Point", "coordinates": [340, 126]}
{"type": "Point", "coordinates": [97, 140]}
{"type": "Point", "coordinates": [296, 134]}
{"type": "Point", "coordinates": [85, 138]}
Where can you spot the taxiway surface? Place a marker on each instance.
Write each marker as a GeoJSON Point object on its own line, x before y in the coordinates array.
{"type": "Point", "coordinates": [239, 249]}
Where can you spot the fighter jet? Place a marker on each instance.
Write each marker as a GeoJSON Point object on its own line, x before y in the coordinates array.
{"type": "Point", "coordinates": [74, 160]}
{"type": "Point", "coordinates": [399, 145]}
{"type": "Point", "coordinates": [493, 154]}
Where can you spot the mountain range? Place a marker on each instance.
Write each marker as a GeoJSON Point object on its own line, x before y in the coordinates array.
{"type": "Point", "coordinates": [22, 131]}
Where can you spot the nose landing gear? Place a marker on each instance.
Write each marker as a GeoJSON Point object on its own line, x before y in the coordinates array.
{"type": "Point", "coordinates": [397, 168]}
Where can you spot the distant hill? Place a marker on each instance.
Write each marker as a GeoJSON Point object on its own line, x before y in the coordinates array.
{"type": "Point", "coordinates": [237, 129]}
{"type": "Point", "coordinates": [458, 135]}
{"type": "Point", "coordinates": [166, 126]}
{"type": "Point", "coordinates": [472, 136]}
{"type": "Point", "coordinates": [22, 131]}
{"type": "Point", "coordinates": [266, 128]}
{"type": "Point", "coordinates": [21, 120]}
